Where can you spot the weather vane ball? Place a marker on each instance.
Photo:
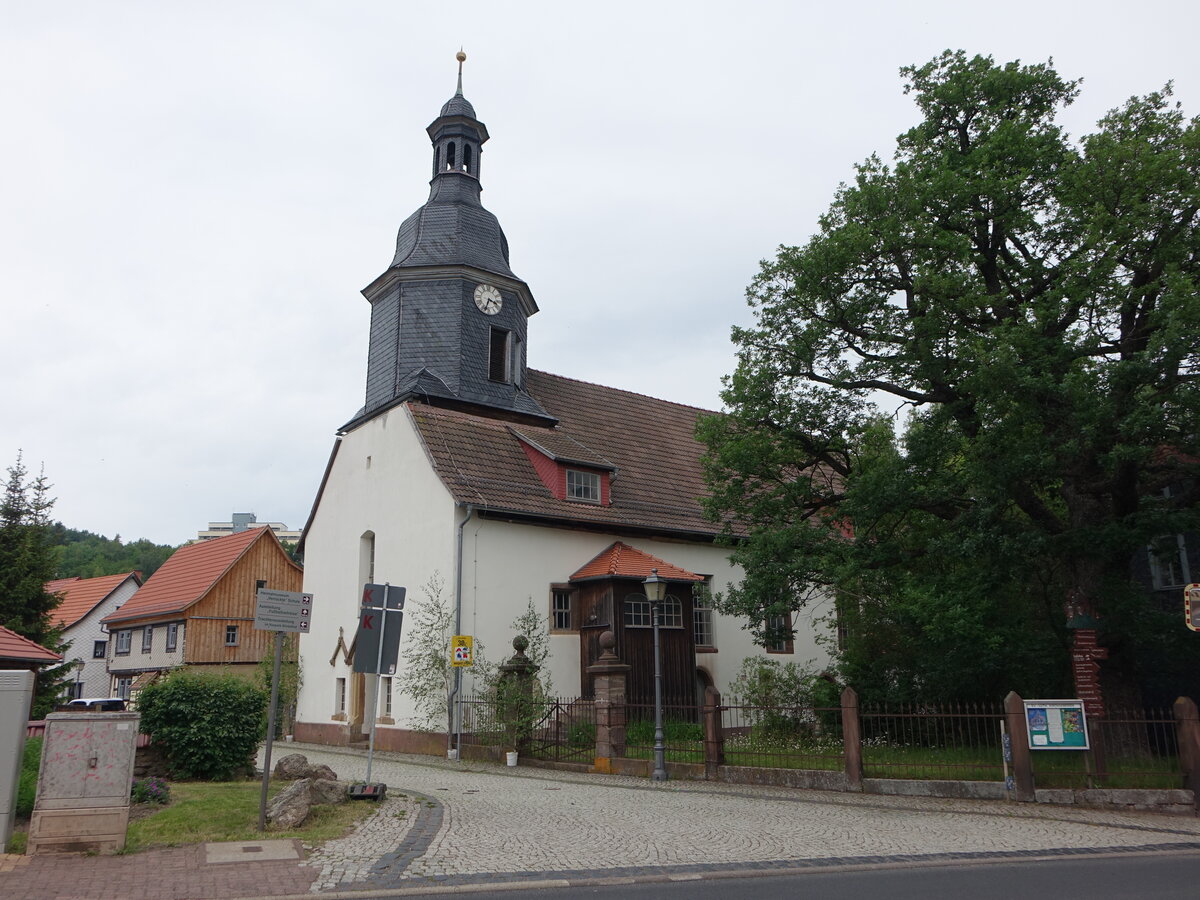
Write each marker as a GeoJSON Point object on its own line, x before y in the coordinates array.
{"type": "Point", "coordinates": [460, 56]}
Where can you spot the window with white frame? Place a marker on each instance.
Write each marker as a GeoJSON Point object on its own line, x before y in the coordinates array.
{"type": "Point", "coordinates": [670, 613]}
{"type": "Point", "coordinates": [562, 609]}
{"type": "Point", "coordinates": [583, 486]}
{"type": "Point", "coordinates": [637, 611]}
{"type": "Point", "coordinates": [702, 616]}
{"type": "Point", "coordinates": [99, 649]}
{"type": "Point", "coordinates": [122, 686]}
{"type": "Point", "coordinates": [172, 637]}
{"type": "Point", "coordinates": [339, 698]}
{"type": "Point", "coordinates": [1168, 562]}
{"type": "Point", "coordinates": [385, 697]}
{"type": "Point", "coordinates": [124, 641]}
{"type": "Point", "coordinates": [231, 635]}
{"type": "Point", "coordinates": [147, 638]}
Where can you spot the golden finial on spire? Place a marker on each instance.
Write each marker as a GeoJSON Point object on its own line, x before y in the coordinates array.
{"type": "Point", "coordinates": [461, 57]}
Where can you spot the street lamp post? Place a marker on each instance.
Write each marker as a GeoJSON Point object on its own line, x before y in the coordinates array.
{"type": "Point", "coordinates": [656, 590]}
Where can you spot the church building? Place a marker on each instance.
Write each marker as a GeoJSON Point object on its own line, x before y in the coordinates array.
{"type": "Point", "coordinates": [504, 486]}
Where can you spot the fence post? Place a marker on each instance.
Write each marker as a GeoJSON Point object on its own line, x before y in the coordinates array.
{"type": "Point", "coordinates": [608, 679]}
{"type": "Point", "coordinates": [1187, 727]}
{"type": "Point", "coordinates": [714, 734]}
{"type": "Point", "coordinates": [1022, 759]}
{"type": "Point", "coordinates": [852, 740]}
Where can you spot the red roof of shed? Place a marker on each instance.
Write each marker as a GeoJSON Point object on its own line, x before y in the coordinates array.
{"type": "Point", "coordinates": [622, 561]}
{"type": "Point", "coordinates": [13, 646]}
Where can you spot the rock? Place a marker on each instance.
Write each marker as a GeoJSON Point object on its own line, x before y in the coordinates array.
{"type": "Point", "coordinates": [290, 807]}
{"type": "Point", "coordinates": [295, 766]}
{"type": "Point", "coordinates": [326, 790]}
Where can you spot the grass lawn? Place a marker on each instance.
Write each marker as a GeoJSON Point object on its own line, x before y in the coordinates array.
{"type": "Point", "coordinates": [222, 811]}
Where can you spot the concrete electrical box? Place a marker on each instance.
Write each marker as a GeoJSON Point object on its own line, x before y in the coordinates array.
{"type": "Point", "coordinates": [83, 789]}
{"type": "Point", "coordinates": [16, 694]}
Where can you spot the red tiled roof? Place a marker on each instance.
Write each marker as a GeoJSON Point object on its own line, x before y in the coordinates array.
{"type": "Point", "coordinates": [82, 595]}
{"type": "Point", "coordinates": [622, 561]}
{"type": "Point", "coordinates": [651, 444]}
{"type": "Point", "coordinates": [187, 575]}
{"type": "Point", "coordinates": [15, 647]}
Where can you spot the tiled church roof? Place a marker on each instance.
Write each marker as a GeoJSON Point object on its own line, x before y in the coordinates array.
{"type": "Point", "coordinates": [619, 560]}
{"type": "Point", "coordinates": [651, 443]}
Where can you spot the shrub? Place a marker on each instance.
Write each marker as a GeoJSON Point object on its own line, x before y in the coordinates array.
{"type": "Point", "coordinates": [780, 696]}
{"type": "Point", "coordinates": [209, 726]}
{"type": "Point", "coordinates": [150, 790]}
{"type": "Point", "coordinates": [27, 785]}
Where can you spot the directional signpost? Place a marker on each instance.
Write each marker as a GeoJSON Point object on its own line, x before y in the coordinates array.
{"type": "Point", "coordinates": [280, 612]}
{"type": "Point", "coordinates": [377, 645]}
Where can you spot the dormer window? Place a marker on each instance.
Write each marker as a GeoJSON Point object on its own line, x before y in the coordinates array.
{"type": "Point", "coordinates": [583, 486]}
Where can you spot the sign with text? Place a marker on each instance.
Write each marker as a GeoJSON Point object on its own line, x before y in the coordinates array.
{"type": "Point", "coordinates": [462, 650]}
{"type": "Point", "coordinates": [282, 611]}
{"type": "Point", "coordinates": [380, 618]}
{"type": "Point", "coordinates": [1191, 606]}
{"type": "Point", "coordinates": [1056, 725]}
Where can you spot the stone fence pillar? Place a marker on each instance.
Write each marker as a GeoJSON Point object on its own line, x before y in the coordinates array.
{"type": "Point", "coordinates": [608, 685]}
{"type": "Point", "coordinates": [852, 740]}
{"type": "Point", "coordinates": [1187, 727]}
{"type": "Point", "coordinates": [1022, 758]}
{"type": "Point", "coordinates": [714, 734]}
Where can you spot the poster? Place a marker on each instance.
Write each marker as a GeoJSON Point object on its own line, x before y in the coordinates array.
{"type": "Point", "coordinates": [1056, 725]}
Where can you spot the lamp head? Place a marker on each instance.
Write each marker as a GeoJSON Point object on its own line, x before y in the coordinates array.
{"type": "Point", "coordinates": [656, 588]}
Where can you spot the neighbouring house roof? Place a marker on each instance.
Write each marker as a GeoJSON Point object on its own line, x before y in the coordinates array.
{"type": "Point", "coordinates": [187, 575]}
{"type": "Point", "coordinates": [20, 649]}
{"type": "Point", "coordinates": [82, 595]}
{"type": "Point", "coordinates": [619, 560]}
{"type": "Point", "coordinates": [650, 444]}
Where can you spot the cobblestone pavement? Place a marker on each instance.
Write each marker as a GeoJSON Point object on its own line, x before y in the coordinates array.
{"type": "Point", "coordinates": [461, 822]}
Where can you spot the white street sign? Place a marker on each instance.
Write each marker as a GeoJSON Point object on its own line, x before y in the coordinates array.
{"type": "Point", "coordinates": [282, 611]}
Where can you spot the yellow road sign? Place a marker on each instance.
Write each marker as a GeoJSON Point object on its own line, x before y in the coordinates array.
{"type": "Point", "coordinates": [462, 650]}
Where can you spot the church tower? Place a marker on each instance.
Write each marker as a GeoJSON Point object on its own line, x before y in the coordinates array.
{"type": "Point", "coordinates": [449, 317]}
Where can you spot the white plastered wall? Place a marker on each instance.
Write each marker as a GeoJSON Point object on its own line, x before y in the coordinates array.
{"type": "Point", "coordinates": [381, 482]}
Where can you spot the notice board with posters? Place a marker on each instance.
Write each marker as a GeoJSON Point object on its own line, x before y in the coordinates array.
{"type": "Point", "coordinates": [1056, 725]}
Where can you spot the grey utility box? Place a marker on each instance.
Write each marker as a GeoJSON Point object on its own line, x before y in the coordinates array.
{"type": "Point", "coordinates": [83, 788]}
{"type": "Point", "coordinates": [16, 692]}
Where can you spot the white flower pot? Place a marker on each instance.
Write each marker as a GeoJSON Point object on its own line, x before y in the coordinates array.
{"type": "Point", "coordinates": [451, 754]}
{"type": "Point", "coordinates": [511, 757]}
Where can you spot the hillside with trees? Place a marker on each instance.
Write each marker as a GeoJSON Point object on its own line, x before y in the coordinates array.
{"type": "Point", "coordinates": [90, 555]}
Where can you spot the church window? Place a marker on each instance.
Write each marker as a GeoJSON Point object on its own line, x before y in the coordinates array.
{"type": "Point", "coordinates": [450, 155]}
{"type": "Point", "coordinates": [637, 611]}
{"type": "Point", "coordinates": [385, 697]}
{"type": "Point", "coordinates": [583, 486]}
{"type": "Point", "coordinates": [562, 609]}
{"type": "Point", "coordinates": [498, 357]}
{"type": "Point", "coordinates": [670, 613]}
{"type": "Point", "coordinates": [702, 615]}
{"type": "Point", "coordinates": [779, 634]}
{"type": "Point", "coordinates": [1168, 562]}
{"type": "Point", "coordinates": [339, 699]}
{"type": "Point", "coordinates": [366, 558]}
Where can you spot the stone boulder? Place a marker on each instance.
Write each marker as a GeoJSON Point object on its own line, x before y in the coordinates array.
{"type": "Point", "coordinates": [295, 766]}
{"type": "Point", "coordinates": [291, 806]}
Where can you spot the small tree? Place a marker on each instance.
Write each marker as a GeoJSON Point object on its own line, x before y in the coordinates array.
{"type": "Point", "coordinates": [291, 677]}
{"type": "Point", "coordinates": [428, 675]}
{"type": "Point", "coordinates": [535, 627]}
{"type": "Point", "coordinates": [209, 726]}
{"type": "Point", "coordinates": [782, 695]}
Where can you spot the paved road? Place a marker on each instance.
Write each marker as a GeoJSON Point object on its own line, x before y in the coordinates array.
{"type": "Point", "coordinates": [466, 823]}
{"type": "Point", "coordinates": [460, 824]}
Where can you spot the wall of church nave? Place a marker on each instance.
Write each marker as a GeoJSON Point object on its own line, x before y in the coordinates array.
{"type": "Point", "coordinates": [383, 516]}
{"type": "Point", "coordinates": [506, 566]}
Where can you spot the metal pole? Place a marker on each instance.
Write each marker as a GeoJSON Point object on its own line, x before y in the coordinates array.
{"type": "Point", "coordinates": [266, 779]}
{"type": "Point", "coordinates": [660, 766]}
{"type": "Point", "coordinates": [378, 679]}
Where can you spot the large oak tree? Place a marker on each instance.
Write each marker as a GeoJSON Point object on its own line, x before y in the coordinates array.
{"type": "Point", "coordinates": [1028, 303]}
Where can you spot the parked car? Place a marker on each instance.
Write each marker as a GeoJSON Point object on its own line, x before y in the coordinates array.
{"type": "Point", "coordinates": [98, 704]}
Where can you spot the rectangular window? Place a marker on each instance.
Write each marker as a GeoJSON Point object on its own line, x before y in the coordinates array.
{"type": "Point", "coordinates": [172, 637]}
{"type": "Point", "coordinates": [583, 486]}
{"type": "Point", "coordinates": [99, 649]}
{"type": "Point", "coordinates": [702, 616]}
{"type": "Point", "coordinates": [147, 638]}
{"type": "Point", "coordinates": [779, 634]}
{"type": "Point", "coordinates": [1168, 562]}
{"type": "Point", "coordinates": [122, 688]}
{"type": "Point", "coordinates": [339, 698]}
{"type": "Point", "coordinates": [76, 691]}
{"type": "Point", "coordinates": [498, 356]}
{"type": "Point", "coordinates": [231, 635]}
{"type": "Point", "coordinates": [385, 697]}
{"type": "Point", "coordinates": [637, 612]}
{"type": "Point", "coordinates": [124, 641]}
{"type": "Point", "coordinates": [562, 602]}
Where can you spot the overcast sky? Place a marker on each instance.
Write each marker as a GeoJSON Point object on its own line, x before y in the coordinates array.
{"type": "Point", "coordinates": [193, 195]}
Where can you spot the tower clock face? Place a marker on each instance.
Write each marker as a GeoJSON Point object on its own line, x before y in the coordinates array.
{"type": "Point", "coordinates": [488, 299]}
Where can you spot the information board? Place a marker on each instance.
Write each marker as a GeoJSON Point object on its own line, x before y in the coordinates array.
{"type": "Point", "coordinates": [462, 650]}
{"type": "Point", "coordinates": [282, 610]}
{"type": "Point", "coordinates": [1056, 725]}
